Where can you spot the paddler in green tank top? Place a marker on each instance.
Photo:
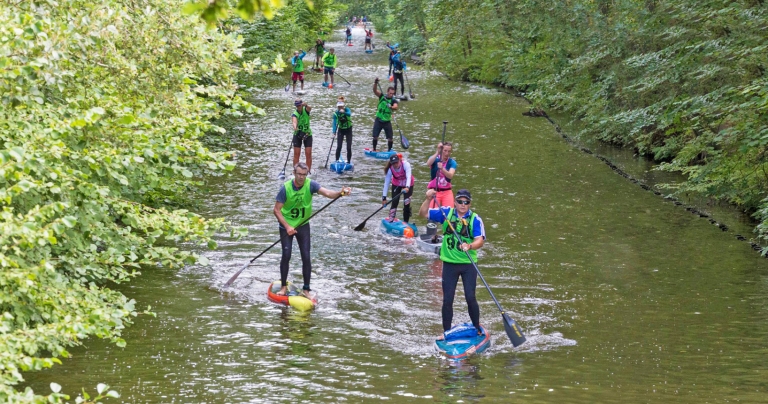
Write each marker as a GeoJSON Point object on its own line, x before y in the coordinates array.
{"type": "Point", "coordinates": [298, 68]}
{"type": "Point", "coordinates": [329, 65]}
{"type": "Point", "coordinates": [293, 206]}
{"type": "Point", "coordinates": [387, 103]}
{"type": "Point", "coordinates": [469, 237]}
{"type": "Point", "coordinates": [302, 133]}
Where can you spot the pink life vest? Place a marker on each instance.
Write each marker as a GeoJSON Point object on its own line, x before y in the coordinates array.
{"type": "Point", "coordinates": [398, 176]}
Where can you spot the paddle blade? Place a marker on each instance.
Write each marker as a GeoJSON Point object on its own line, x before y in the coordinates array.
{"type": "Point", "coordinates": [514, 332]}
{"type": "Point", "coordinates": [361, 226]}
{"type": "Point", "coordinates": [287, 87]}
{"type": "Point", "coordinates": [404, 141]}
{"type": "Point", "coordinates": [281, 176]}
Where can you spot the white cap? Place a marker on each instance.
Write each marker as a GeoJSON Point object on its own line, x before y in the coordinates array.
{"type": "Point", "coordinates": [339, 104]}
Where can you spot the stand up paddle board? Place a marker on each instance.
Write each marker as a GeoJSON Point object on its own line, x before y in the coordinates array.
{"type": "Point", "coordinates": [430, 241]}
{"type": "Point", "coordinates": [398, 228]}
{"type": "Point", "coordinates": [427, 243]}
{"type": "Point", "coordinates": [368, 51]}
{"type": "Point", "coordinates": [462, 340]}
{"type": "Point", "coordinates": [381, 155]}
{"type": "Point", "coordinates": [340, 166]}
{"type": "Point", "coordinates": [293, 298]}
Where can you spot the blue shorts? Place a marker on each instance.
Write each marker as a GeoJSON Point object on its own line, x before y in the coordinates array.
{"type": "Point", "coordinates": [329, 70]}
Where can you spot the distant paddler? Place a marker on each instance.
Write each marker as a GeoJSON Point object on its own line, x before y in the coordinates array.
{"type": "Point", "coordinates": [392, 52]}
{"type": "Point", "coordinates": [442, 169]}
{"type": "Point", "coordinates": [398, 173]}
{"type": "Point", "coordinates": [342, 126]}
{"type": "Point", "coordinates": [293, 205]}
{"type": "Point", "coordinates": [368, 39]}
{"type": "Point", "coordinates": [329, 65]}
{"type": "Point", "coordinates": [298, 68]}
{"type": "Point", "coordinates": [470, 230]}
{"type": "Point", "coordinates": [302, 133]}
{"type": "Point", "coordinates": [398, 68]}
{"type": "Point", "coordinates": [319, 52]}
{"type": "Point", "coordinates": [387, 103]}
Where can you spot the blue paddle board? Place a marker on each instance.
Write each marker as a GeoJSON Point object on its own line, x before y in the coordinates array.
{"type": "Point", "coordinates": [462, 340]}
{"type": "Point", "coordinates": [397, 227]}
{"type": "Point", "coordinates": [340, 166]}
{"type": "Point", "coordinates": [381, 155]}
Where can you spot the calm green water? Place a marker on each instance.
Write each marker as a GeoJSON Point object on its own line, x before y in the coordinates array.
{"type": "Point", "coordinates": [624, 297]}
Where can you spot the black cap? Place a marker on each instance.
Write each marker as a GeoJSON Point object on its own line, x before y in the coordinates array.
{"type": "Point", "coordinates": [394, 158]}
{"type": "Point", "coordinates": [463, 193]}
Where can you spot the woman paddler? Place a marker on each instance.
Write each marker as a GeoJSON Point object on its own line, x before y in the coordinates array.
{"type": "Point", "coordinates": [293, 206]}
{"type": "Point", "coordinates": [442, 169]}
{"type": "Point", "coordinates": [398, 172]}
{"type": "Point", "coordinates": [470, 237]}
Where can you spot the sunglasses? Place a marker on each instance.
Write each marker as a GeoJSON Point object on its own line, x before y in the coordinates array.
{"type": "Point", "coordinates": [463, 202]}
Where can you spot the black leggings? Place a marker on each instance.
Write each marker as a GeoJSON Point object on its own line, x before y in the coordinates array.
{"type": "Point", "coordinates": [342, 133]}
{"type": "Point", "coordinates": [286, 241]}
{"type": "Point", "coordinates": [406, 202]}
{"type": "Point", "coordinates": [378, 126]}
{"type": "Point", "coordinates": [451, 273]}
{"type": "Point", "coordinates": [399, 76]}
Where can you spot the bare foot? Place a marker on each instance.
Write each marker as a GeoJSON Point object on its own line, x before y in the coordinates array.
{"type": "Point", "coordinates": [282, 291]}
{"type": "Point", "coordinates": [441, 337]}
{"type": "Point", "coordinates": [307, 294]}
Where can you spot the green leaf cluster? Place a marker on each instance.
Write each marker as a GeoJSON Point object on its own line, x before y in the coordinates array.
{"type": "Point", "coordinates": [681, 82]}
{"type": "Point", "coordinates": [103, 110]}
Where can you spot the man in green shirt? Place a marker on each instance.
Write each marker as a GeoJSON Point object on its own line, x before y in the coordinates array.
{"type": "Point", "coordinates": [329, 63]}
{"type": "Point", "coordinates": [387, 104]}
{"type": "Point", "coordinates": [469, 237]}
{"type": "Point", "coordinates": [302, 133]}
{"type": "Point", "coordinates": [293, 206]}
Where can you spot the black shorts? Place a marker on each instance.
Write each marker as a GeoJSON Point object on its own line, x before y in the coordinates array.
{"type": "Point", "coordinates": [367, 40]}
{"type": "Point", "coordinates": [379, 125]}
{"type": "Point", "coordinates": [300, 138]}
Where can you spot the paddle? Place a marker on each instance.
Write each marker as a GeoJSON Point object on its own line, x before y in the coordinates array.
{"type": "Point", "coordinates": [281, 176]}
{"type": "Point", "coordinates": [403, 140]}
{"type": "Point", "coordinates": [331, 148]}
{"type": "Point", "coordinates": [232, 279]}
{"type": "Point", "coordinates": [410, 92]}
{"type": "Point", "coordinates": [361, 226]}
{"type": "Point", "coordinates": [514, 332]}
{"type": "Point", "coordinates": [445, 123]}
{"type": "Point", "coordinates": [337, 74]}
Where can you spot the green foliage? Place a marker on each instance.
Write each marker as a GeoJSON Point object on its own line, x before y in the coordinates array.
{"type": "Point", "coordinates": [683, 82]}
{"type": "Point", "coordinates": [103, 108]}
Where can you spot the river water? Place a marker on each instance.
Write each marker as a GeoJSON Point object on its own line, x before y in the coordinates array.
{"type": "Point", "coordinates": [624, 297]}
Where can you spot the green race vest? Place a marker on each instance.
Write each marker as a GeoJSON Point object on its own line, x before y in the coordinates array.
{"type": "Point", "coordinates": [344, 121]}
{"type": "Point", "coordinates": [450, 251]}
{"type": "Point", "coordinates": [299, 66]}
{"type": "Point", "coordinates": [298, 204]}
{"type": "Point", "coordinates": [384, 112]}
{"type": "Point", "coordinates": [303, 121]}
{"type": "Point", "coordinates": [329, 60]}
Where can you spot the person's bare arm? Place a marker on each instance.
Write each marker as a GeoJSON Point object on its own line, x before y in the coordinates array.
{"type": "Point", "coordinates": [277, 210]}
{"type": "Point", "coordinates": [334, 194]}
